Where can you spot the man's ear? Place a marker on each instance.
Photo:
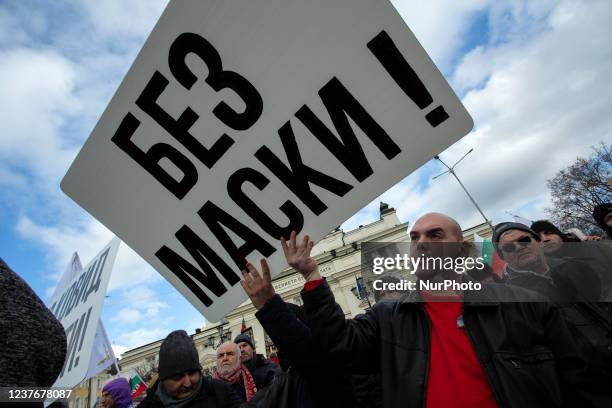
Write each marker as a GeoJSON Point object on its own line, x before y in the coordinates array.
{"type": "Point", "coordinates": [465, 248]}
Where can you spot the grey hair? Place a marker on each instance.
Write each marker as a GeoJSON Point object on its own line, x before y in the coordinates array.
{"type": "Point", "coordinates": [236, 347]}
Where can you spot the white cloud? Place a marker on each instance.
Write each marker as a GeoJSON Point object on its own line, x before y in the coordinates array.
{"type": "Point", "coordinates": [87, 239]}
{"type": "Point", "coordinates": [119, 350]}
{"type": "Point", "coordinates": [141, 336]}
{"type": "Point", "coordinates": [145, 300]}
{"type": "Point", "coordinates": [440, 25]}
{"type": "Point", "coordinates": [127, 315]}
{"type": "Point", "coordinates": [37, 97]}
{"type": "Point", "coordinates": [115, 18]}
{"type": "Point", "coordinates": [196, 323]}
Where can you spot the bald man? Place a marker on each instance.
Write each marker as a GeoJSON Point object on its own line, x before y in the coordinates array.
{"type": "Point", "coordinates": [473, 350]}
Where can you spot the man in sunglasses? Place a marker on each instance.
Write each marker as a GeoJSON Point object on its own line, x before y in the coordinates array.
{"type": "Point", "coordinates": [527, 266]}
{"type": "Point", "coordinates": [572, 285]}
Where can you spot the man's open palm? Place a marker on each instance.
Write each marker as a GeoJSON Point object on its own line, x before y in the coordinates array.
{"type": "Point", "coordinates": [298, 256]}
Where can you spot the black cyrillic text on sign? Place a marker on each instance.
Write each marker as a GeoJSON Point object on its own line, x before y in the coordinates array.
{"type": "Point", "coordinates": [78, 293]}
{"type": "Point", "coordinates": [218, 79]}
{"type": "Point", "coordinates": [291, 170]}
{"type": "Point", "coordinates": [75, 334]}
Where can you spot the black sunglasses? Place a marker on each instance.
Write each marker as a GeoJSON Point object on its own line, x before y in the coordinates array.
{"type": "Point", "coordinates": [511, 246]}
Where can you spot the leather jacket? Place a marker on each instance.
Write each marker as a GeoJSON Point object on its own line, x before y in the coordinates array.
{"type": "Point", "coordinates": [525, 349]}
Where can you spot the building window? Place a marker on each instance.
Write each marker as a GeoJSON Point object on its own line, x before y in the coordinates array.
{"type": "Point", "coordinates": [361, 289]}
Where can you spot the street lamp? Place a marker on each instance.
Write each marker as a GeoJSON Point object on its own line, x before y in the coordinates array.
{"type": "Point", "coordinates": [451, 170]}
{"type": "Point", "coordinates": [222, 334]}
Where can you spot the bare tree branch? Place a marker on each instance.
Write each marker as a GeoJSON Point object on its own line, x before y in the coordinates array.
{"type": "Point", "coordinates": [580, 187]}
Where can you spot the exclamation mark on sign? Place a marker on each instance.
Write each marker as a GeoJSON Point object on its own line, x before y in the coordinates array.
{"type": "Point", "coordinates": [384, 49]}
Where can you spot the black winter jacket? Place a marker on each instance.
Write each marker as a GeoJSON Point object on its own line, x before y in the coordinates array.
{"type": "Point", "coordinates": [213, 394]}
{"type": "Point", "coordinates": [567, 285]}
{"type": "Point", "coordinates": [310, 375]}
{"type": "Point", "coordinates": [262, 370]}
{"type": "Point", "coordinates": [288, 390]}
{"type": "Point", "coordinates": [526, 351]}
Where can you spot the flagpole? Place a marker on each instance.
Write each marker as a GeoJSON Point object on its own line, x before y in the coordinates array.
{"type": "Point", "coordinates": [451, 170]}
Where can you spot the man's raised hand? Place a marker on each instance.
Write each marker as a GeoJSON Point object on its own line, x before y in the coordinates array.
{"type": "Point", "coordinates": [297, 253]}
{"type": "Point", "coordinates": [259, 288]}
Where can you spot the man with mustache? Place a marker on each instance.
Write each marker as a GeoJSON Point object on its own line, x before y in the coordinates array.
{"type": "Point", "coordinates": [231, 371]}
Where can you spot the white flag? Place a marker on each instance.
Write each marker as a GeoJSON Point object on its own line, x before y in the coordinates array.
{"type": "Point", "coordinates": [102, 355]}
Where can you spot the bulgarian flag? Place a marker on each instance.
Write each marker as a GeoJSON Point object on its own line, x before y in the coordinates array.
{"type": "Point", "coordinates": [488, 253]}
{"type": "Point", "coordinates": [243, 328]}
{"type": "Point", "coordinates": [137, 384]}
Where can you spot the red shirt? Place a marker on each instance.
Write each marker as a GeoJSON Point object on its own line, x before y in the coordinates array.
{"type": "Point", "coordinates": [455, 377]}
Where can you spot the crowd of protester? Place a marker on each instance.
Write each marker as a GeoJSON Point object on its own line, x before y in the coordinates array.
{"type": "Point", "coordinates": [538, 334]}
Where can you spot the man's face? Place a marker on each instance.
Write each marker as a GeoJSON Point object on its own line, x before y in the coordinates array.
{"type": "Point", "coordinates": [608, 219]}
{"type": "Point", "coordinates": [521, 250]}
{"type": "Point", "coordinates": [107, 400]}
{"type": "Point", "coordinates": [426, 238]}
{"type": "Point", "coordinates": [246, 351]}
{"type": "Point", "coordinates": [182, 385]}
{"type": "Point", "coordinates": [551, 241]}
{"type": "Point", "coordinates": [228, 359]}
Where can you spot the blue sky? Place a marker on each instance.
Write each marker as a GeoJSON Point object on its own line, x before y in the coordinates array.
{"type": "Point", "coordinates": [533, 75]}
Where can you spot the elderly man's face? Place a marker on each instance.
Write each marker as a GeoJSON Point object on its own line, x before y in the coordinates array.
{"type": "Point", "coordinates": [182, 385]}
{"type": "Point", "coordinates": [228, 359]}
{"type": "Point", "coordinates": [551, 242]}
{"type": "Point", "coordinates": [520, 249]}
{"type": "Point", "coordinates": [246, 351]}
{"type": "Point", "coordinates": [107, 400]}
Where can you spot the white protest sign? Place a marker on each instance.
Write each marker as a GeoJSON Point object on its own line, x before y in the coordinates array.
{"type": "Point", "coordinates": [78, 306]}
{"type": "Point", "coordinates": [74, 268]}
{"type": "Point", "coordinates": [240, 122]}
{"type": "Point", "coordinates": [102, 355]}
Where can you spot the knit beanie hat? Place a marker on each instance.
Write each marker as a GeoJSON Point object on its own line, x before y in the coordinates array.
{"type": "Point", "coordinates": [177, 354]}
{"type": "Point", "coordinates": [507, 226]}
{"type": "Point", "coordinates": [546, 226]}
{"type": "Point", "coordinates": [120, 390]}
{"type": "Point", "coordinates": [599, 213]}
{"type": "Point", "coordinates": [244, 337]}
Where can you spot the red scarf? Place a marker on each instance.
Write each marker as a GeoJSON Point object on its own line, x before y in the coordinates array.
{"type": "Point", "coordinates": [247, 379]}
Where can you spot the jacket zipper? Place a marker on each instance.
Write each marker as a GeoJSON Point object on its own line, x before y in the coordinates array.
{"type": "Point", "coordinates": [475, 345]}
